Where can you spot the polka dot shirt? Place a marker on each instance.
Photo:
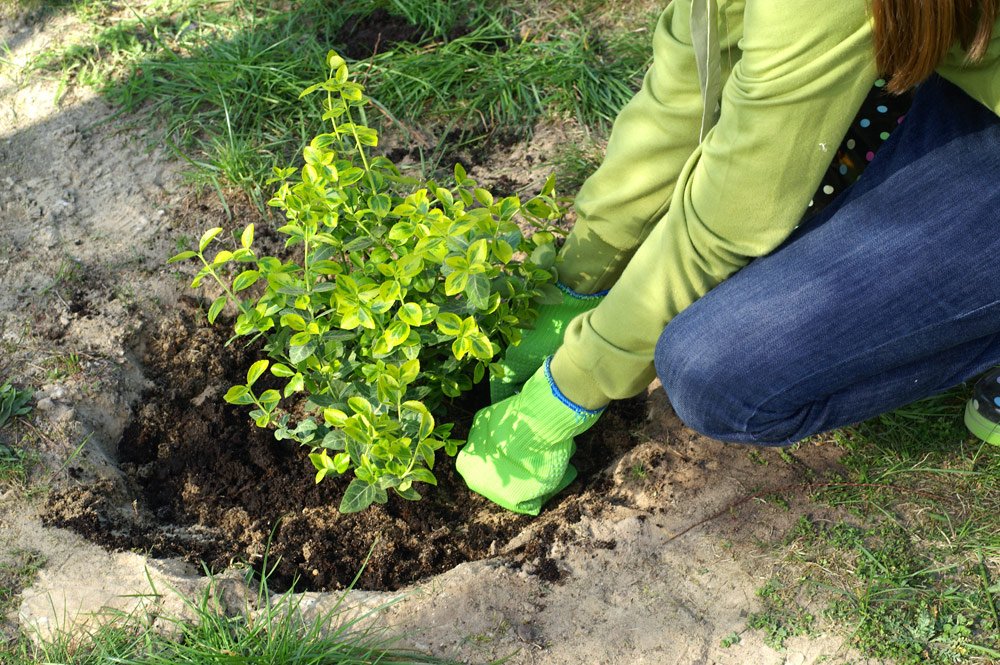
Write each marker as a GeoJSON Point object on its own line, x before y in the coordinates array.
{"type": "Point", "coordinates": [880, 114]}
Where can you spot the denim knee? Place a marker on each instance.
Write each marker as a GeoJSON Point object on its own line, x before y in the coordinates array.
{"type": "Point", "coordinates": [715, 390]}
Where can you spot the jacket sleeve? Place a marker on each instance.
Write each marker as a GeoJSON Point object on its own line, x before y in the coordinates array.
{"type": "Point", "coordinates": [653, 137]}
{"type": "Point", "coordinates": [789, 101]}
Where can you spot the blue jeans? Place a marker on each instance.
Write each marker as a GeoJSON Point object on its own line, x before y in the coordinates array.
{"type": "Point", "coordinates": [890, 294]}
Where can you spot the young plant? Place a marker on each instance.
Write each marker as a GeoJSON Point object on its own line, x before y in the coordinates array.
{"type": "Point", "coordinates": [399, 298]}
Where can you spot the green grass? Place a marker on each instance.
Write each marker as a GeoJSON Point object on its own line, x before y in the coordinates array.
{"type": "Point", "coordinates": [913, 576]}
{"type": "Point", "coordinates": [920, 466]}
{"type": "Point", "coordinates": [575, 162]}
{"type": "Point", "coordinates": [13, 402]}
{"type": "Point", "coordinates": [18, 568]}
{"type": "Point", "coordinates": [15, 465]}
{"type": "Point", "coordinates": [276, 633]}
{"type": "Point", "coordinates": [15, 461]}
{"type": "Point", "coordinates": [494, 78]}
{"type": "Point", "coordinates": [782, 616]}
{"type": "Point", "coordinates": [62, 366]}
{"type": "Point", "coordinates": [223, 79]}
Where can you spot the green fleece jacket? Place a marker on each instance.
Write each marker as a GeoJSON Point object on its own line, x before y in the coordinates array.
{"type": "Point", "coordinates": [674, 210]}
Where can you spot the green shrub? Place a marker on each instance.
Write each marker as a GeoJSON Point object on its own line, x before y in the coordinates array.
{"type": "Point", "coordinates": [402, 295]}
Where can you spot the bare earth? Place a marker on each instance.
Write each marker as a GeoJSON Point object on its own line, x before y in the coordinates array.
{"type": "Point", "coordinates": [88, 216]}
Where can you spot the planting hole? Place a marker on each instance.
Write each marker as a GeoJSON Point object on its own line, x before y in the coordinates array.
{"type": "Point", "coordinates": [201, 482]}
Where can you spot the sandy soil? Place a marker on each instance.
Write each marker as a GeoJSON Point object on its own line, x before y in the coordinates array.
{"type": "Point", "coordinates": [657, 562]}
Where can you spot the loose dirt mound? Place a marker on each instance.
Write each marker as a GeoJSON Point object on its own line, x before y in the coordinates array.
{"type": "Point", "coordinates": [203, 483]}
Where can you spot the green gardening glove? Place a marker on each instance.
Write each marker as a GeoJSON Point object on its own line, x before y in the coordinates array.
{"type": "Point", "coordinates": [519, 449]}
{"type": "Point", "coordinates": [539, 342]}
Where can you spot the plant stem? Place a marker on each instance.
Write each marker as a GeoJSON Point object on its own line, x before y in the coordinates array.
{"type": "Point", "coordinates": [305, 258]}
{"type": "Point", "coordinates": [225, 287]}
{"type": "Point", "coordinates": [361, 150]}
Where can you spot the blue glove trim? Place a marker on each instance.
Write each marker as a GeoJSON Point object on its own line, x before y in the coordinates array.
{"type": "Point", "coordinates": [580, 411]}
{"type": "Point", "coordinates": [580, 296]}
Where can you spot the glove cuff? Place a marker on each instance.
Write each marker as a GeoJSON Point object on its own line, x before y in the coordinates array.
{"type": "Point", "coordinates": [581, 296]}
{"type": "Point", "coordinates": [580, 411]}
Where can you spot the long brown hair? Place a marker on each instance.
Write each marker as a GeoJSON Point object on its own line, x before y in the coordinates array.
{"type": "Point", "coordinates": [912, 37]}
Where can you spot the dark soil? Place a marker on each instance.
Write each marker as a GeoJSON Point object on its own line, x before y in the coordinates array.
{"type": "Point", "coordinates": [364, 36]}
{"type": "Point", "coordinates": [361, 37]}
{"type": "Point", "coordinates": [204, 484]}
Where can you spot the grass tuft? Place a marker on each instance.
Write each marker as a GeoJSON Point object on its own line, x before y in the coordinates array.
{"type": "Point", "coordinates": [782, 616]}
{"type": "Point", "coordinates": [575, 162]}
{"type": "Point", "coordinates": [13, 402]}
{"type": "Point", "coordinates": [16, 461]}
{"type": "Point", "coordinates": [275, 633]}
{"type": "Point", "coordinates": [18, 568]}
